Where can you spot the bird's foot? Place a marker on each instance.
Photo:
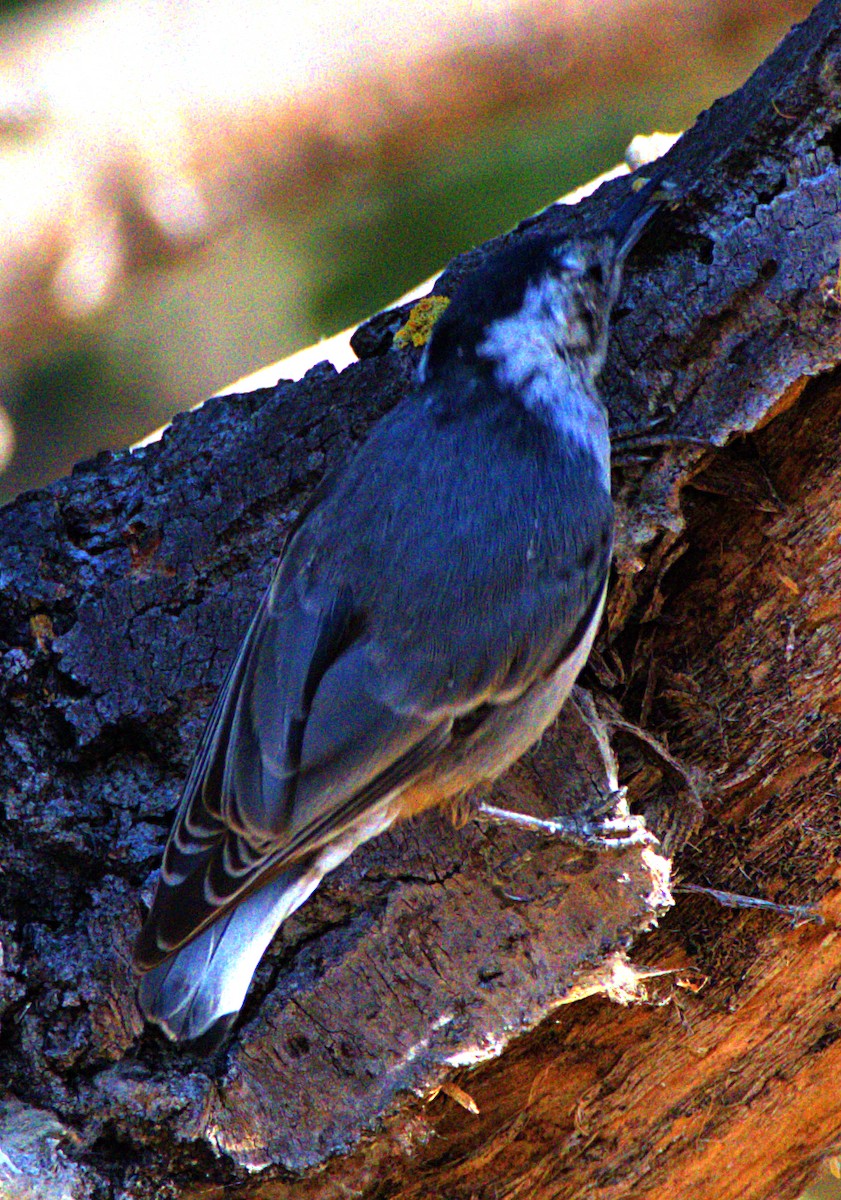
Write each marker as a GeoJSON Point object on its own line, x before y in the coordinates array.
{"type": "Point", "coordinates": [591, 831]}
{"type": "Point", "coordinates": [642, 442]}
{"type": "Point", "coordinates": [675, 820]}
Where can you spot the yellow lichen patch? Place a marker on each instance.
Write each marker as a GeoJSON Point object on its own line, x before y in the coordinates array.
{"type": "Point", "coordinates": [41, 628]}
{"type": "Point", "coordinates": [423, 316]}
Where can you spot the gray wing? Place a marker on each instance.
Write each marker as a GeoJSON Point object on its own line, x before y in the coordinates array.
{"type": "Point", "coordinates": [297, 745]}
{"type": "Point", "coordinates": [359, 671]}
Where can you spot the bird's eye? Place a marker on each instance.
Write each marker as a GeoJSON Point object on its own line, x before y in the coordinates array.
{"type": "Point", "coordinates": [595, 272]}
{"type": "Point", "coordinates": [569, 258]}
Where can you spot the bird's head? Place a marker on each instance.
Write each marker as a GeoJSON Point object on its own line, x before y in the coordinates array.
{"type": "Point", "coordinates": [540, 305]}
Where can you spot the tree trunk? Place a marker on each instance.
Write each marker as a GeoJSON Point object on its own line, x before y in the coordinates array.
{"type": "Point", "coordinates": [438, 955]}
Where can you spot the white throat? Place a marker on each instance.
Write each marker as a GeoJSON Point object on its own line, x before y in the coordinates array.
{"type": "Point", "coordinates": [524, 347]}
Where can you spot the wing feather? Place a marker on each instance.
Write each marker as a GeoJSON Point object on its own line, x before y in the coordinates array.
{"type": "Point", "coordinates": [380, 643]}
{"type": "Point", "coordinates": [271, 784]}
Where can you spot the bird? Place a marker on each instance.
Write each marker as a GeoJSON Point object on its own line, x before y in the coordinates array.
{"type": "Point", "coordinates": [430, 612]}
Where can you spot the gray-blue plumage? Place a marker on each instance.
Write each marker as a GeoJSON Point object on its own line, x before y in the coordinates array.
{"type": "Point", "coordinates": [426, 622]}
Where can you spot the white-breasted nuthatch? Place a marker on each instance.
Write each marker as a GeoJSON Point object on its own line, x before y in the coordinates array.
{"type": "Point", "coordinates": [429, 615]}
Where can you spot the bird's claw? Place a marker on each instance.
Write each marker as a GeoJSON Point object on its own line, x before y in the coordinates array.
{"type": "Point", "coordinates": [590, 832]}
{"type": "Point", "coordinates": [613, 833]}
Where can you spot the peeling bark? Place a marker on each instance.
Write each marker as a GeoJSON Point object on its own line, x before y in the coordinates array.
{"type": "Point", "coordinates": [123, 593]}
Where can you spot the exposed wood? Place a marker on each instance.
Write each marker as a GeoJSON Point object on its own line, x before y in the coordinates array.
{"type": "Point", "coordinates": [123, 591]}
{"type": "Point", "coordinates": [727, 1090]}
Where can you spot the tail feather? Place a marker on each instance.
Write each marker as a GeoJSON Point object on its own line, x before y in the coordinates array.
{"type": "Point", "coordinates": [205, 981]}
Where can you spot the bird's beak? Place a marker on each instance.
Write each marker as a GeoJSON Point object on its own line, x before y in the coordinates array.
{"type": "Point", "coordinates": [647, 196]}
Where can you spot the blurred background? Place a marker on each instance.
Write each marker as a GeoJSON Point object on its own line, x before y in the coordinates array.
{"type": "Point", "coordinates": [190, 189]}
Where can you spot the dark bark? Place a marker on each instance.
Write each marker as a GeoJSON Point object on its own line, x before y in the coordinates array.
{"type": "Point", "coordinates": [123, 593]}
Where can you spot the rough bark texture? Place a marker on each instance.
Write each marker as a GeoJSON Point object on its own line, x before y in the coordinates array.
{"type": "Point", "coordinates": [123, 592]}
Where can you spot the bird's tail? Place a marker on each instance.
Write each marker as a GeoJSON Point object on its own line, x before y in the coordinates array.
{"type": "Point", "coordinates": [198, 991]}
